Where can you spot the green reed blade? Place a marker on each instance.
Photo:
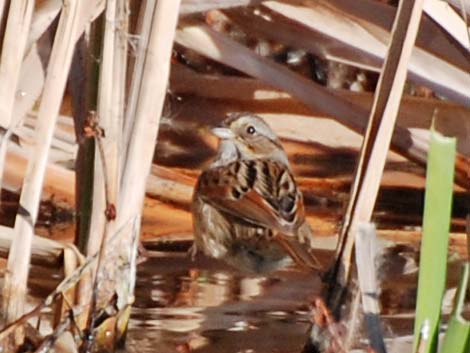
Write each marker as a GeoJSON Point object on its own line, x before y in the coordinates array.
{"type": "Point", "coordinates": [436, 221]}
{"type": "Point", "coordinates": [457, 338]}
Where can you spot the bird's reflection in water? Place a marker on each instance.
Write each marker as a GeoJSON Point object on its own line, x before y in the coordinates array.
{"type": "Point", "coordinates": [205, 306]}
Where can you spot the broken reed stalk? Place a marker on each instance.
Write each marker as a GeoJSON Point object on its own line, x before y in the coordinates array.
{"type": "Point", "coordinates": [376, 141]}
{"type": "Point", "coordinates": [19, 258]}
{"type": "Point", "coordinates": [366, 251]}
{"type": "Point", "coordinates": [13, 52]}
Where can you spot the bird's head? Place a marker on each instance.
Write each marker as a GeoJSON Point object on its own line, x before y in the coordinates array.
{"type": "Point", "coordinates": [251, 136]}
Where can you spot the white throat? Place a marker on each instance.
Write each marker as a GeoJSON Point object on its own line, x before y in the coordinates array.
{"type": "Point", "coordinates": [226, 154]}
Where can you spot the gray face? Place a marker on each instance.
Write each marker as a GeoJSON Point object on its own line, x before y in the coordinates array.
{"type": "Point", "coordinates": [252, 138]}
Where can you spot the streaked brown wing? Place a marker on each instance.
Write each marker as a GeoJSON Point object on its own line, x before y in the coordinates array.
{"type": "Point", "coordinates": [260, 192]}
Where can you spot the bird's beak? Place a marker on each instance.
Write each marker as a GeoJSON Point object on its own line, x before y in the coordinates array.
{"type": "Point", "coordinates": [223, 133]}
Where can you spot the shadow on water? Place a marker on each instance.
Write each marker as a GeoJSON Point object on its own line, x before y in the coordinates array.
{"type": "Point", "coordinates": [204, 306]}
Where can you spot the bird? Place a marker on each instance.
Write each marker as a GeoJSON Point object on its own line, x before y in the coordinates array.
{"type": "Point", "coordinates": [247, 209]}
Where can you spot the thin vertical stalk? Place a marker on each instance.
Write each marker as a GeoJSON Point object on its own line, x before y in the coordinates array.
{"type": "Point", "coordinates": [107, 168]}
{"type": "Point", "coordinates": [110, 113]}
{"type": "Point", "coordinates": [83, 83]}
{"type": "Point", "coordinates": [19, 257]}
{"type": "Point", "coordinates": [138, 159]}
{"type": "Point", "coordinates": [378, 137]}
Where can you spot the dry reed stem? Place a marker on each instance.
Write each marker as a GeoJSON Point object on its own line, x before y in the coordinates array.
{"type": "Point", "coordinates": [2, 10]}
{"type": "Point", "coordinates": [463, 6]}
{"type": "Point", "coordinates": [45, 12]}
{"type": "Point", "coordinates": [18, 261]}
{"type": "Point", "coordinates": [110, 120]}
{"type": "Point", "coordinates": [144, 27]}
{"type": "Point", "coordinates": [44, 251]}
{"type": "Point", "coordinates": [72, 258]}
{"type": "Point", "coordinates": [447, 18]}
{"type": "Point", "coordinates": [84, 76]}
{"type": "Point", "coordinates": [379, 134]}
{"type": "Point", "coordinates": [378, 17]}
{"type": "Point", "coordinates": [366, 252]}
{"type": "Point", "coordinates": [59, 181]}
{"type": "Point", "coordinates": [13, 51]}
{"type": "Point", "coordinates": [107, 161]}
{"type": "Point", "coordinates": [138, 159]}
{"type": "Point", "coordinates": [30, 85]}
{"type": "Point", "coordinates": [90, 11]}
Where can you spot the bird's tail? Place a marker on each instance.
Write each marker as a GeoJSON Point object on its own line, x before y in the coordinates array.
{"type": "Point", "coordinates": [300, 248]}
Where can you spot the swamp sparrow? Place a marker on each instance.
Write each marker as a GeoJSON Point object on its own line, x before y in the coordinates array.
{"type": "Point", "coordinates": [247, 209]}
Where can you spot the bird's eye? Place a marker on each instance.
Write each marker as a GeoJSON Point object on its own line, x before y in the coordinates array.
{"type": "Point", "coordinates": [250, 130]}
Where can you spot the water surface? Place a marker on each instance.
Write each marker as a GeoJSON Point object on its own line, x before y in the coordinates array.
{"type": "Point", "coordinates": [205, 306]}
